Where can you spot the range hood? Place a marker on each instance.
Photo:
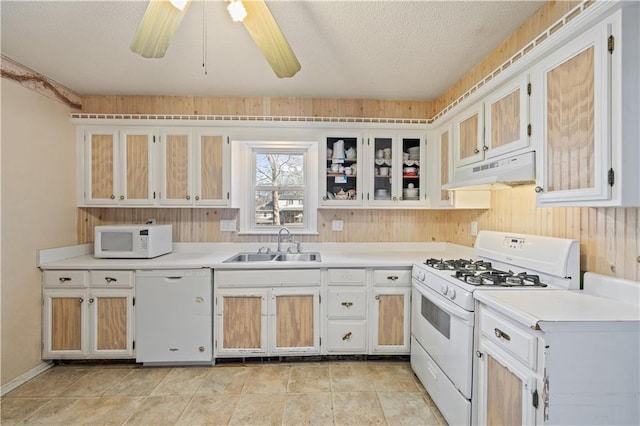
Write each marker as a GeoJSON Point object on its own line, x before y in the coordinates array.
{"type": "Point", "coordinates": [501, 173]}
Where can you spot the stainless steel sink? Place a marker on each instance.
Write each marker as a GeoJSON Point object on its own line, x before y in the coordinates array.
{"type": "Point", "coordinates": [279, 257]}
{"type": "Point", "coordinates": [298, 257]}
{"type": "Point", "coordinates": [251, 257]}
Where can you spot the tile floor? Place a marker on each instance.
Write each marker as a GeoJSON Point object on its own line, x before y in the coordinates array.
{"type": "Point", "coordinates": [322, 393]}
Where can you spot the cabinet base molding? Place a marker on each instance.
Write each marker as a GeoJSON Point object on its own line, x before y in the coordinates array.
{"type": "Point", "coordinates": [25, 377]}
{"type": "Point", "coordinates": [312, 358]}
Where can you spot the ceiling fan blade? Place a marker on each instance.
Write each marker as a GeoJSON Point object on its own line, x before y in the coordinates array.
{"type": "Point", "coordinates": [158, 25]}
{"type": "Point", "coordinates": [269, 38]}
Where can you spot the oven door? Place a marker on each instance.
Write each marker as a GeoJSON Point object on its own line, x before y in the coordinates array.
{"type": "Point", "coordinates": [445, 331]}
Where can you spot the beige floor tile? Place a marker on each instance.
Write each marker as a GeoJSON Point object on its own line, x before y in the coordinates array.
{"type": "Point", "coordinates": [182, 381]}
{"type": "Point", "coordinates": [209, 410]}
{"type": "Point", "coordinates": [17, 409]}
{"type": "Point", "coordinates": [272, 379]}
{"type": "Point", "coordinates": [259, 409]}
{"type": "Point", "coordinates": [357, 408]}
{"type": "Point", "coordinates": [92, 410]}
{"type": "Point", "coordinates": [402, 408]}
{"type": "Point", "coordinates": [391, 377]}
{"type": "Point", "coordinates": [308, 409]}
{"type": "Point", "coordinates": [309, 379]}
{"type": "Point", "coordinates": [351, 377]}
{"type": "Point", "coordinates": [224, 380]}
{"type": "Point", "coordinates": [50, 383]}
{"type": "Point", "coordinates": [138, 382]}
{"type": "Point", "coordinates": [96, 383]}
{"type": "Point", "coordinates": [159, 410]}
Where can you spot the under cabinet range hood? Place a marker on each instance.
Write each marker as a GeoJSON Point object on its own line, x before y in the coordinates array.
{"type": "Point", "coordinates": [500, 173]}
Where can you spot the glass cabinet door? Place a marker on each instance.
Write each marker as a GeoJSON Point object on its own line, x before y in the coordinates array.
{"type": "Point", "coordinates": [341, 183]}
{"type": "Point", "coordinates": [383, 153]}
{"type": "Point", "coordinates": [411, 176]}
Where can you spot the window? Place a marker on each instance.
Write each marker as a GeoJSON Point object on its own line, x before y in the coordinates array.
{"type": "Point", "coordinates": [279, 188]}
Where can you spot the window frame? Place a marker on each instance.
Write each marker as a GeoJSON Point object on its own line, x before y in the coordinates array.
{"type": "Point", "coordinates": [247, 153]}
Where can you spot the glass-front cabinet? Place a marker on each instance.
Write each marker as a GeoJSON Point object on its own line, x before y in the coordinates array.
{"type": "Point", "coordinates": [394, 167]}
{"type": "Point", "coordinates": [341, 182]}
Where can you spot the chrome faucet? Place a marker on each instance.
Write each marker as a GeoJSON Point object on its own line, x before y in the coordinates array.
{"type": "Point", "coordinates": [284, 228]}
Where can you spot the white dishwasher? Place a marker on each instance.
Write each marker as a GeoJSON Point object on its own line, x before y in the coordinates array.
{"type": "Point", "coordinates": [173, 316]}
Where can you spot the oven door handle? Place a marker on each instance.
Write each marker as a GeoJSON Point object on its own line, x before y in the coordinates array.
{"type": "Point", "coordinates": [444, 304]}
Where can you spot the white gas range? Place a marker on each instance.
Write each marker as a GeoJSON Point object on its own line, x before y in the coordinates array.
{"type": "Point", "coordinates": [442, 318]}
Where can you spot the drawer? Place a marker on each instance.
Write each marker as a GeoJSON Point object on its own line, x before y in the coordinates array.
{"type": "Point", "coordinates": [347, 303]}
{"type": "Point", "coordinates": [347, 336]}
{"type": "Point", "coordinates": [346, 276]}
{"type": "Point", "coordinates": [392, 277]}
{"type": "Point", "coordinates": [119, 279]}
{"type": "Point", "coordinates": [65, 279]}
{"type": "Point", "coordinates": [509, 336]}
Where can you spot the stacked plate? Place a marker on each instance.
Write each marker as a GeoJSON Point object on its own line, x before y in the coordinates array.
{"type": "Point", "coordinates": [410, 193]}
{"type": "Point", "coordinates": [414, 153]}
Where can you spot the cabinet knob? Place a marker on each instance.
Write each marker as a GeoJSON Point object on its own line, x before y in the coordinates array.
{"type": "Point", "coordinates": [485, 148]}
{"type": "Point", "coordinates": [325, 198]}
{"type": "Point", "coordinates": [476, 151]}
{"type": "Point", "coordinates": [479, 354]}
{"type": "Point", "coordinates": [197, 197]}
{"type": "Point", "coordinates": [80, 300]}
{"type": "Point", "coordinates": [347, 304]}
{"type": "Point", "coordinates": [347, 336]}
{"type": "Point", "coordinates": [395, 198]}
{"type": "Point", "coordinates": [377, 297]}
{"type": "Point", "coordinates": [538, 189]}
{"type": "Point", "coordinates": [113, 197]}
{"type": "Point", "coordinates": [188, 197]}
{"type": "Point", "coordinates": [122, 197]}
{"type": "Point", "coordinates": [91, 300]}
{"type": "Point", "coordinates": [201, 348]}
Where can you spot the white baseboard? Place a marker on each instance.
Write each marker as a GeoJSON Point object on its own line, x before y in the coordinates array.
{"type": "Point", "coordinates": [24, 378]}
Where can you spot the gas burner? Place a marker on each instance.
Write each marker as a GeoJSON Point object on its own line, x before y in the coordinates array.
{"type": "Point", "coordinates": [458, 264]}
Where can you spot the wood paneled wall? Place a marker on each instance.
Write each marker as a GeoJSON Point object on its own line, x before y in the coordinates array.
{"type": "Point", "coordinates": [609, 237]}
{"type": "Point", "coordinates": [271, 106]}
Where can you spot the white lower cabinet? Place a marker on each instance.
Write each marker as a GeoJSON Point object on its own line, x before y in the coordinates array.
{"type": "Point", "coordinates": [346, 311]}
{"type": "Point", "coordinates": [391, 311]}
{"type": "Point", "coordinates": [264, 313]}
{"type": "Point", "coordinates": [88, 314]}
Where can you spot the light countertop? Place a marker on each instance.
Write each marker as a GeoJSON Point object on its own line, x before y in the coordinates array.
{"type": "Point", "coordinates": [212, 255]}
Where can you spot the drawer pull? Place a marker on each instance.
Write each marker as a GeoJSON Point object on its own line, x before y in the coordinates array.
{"type": "Point", "coordinates": [392, 278]}
{"type": "Point", "coordinates": [347, 304]}
{"type": "Point", "coordinates": [110, 279]}
{"type": "Point", "coordinates": [64, 279]}
{"type": "Point", "coordinates": [501, 334]}
{"type": "Point", "coordinates": [347, 336]}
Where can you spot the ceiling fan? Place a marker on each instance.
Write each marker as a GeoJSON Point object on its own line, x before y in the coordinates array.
{"type": "Point", "coordinates": [162, 18]}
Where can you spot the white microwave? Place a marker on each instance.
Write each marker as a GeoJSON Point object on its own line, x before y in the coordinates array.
{"type": "Point", "coordinates": [132, 241]}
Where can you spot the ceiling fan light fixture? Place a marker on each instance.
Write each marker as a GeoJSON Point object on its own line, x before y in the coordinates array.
{"type": "Point", "coordinates": [237, 11]}
{"type": "Point", "coordinates": [179, 4]}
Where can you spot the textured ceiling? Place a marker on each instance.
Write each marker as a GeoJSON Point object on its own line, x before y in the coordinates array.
{"type": "Point", "coordinates": [412, 50]}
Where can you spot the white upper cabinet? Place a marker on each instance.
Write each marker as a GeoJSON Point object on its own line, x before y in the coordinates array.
{"type": "Point", "coordinates": [507, 125]}
{"type": "Point", "coordinates": [587, 106]}
{"type": "Point", "coordinates": [341, 170]}
{"type": "Point", "coordinates": [497, 125]}
{"type": "Point", "coordinates": [176, 167]}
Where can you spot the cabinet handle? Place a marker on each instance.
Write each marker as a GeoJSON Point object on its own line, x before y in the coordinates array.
{"type": "Point", "coordinates": [197, 197]}
{"type": "Point", "coordinates": [392, 277]}
{"type": "Point", "coordinates": [110, 280]}
{"type": "Point", "coordinates": [347, 336]}
{"type": "Point", "coordinates": [122, 197]}
{"type": "Point", "coordinates": [485, 148]}
{"type": "Point", "coordinates": [347, 304]}
{"type": "Point", "coordinates": [91, 300]}
{"type": "Point", "coordinates": [188, 197]}
{"type": "Point", "coordinates": [538, 189]}
{"type": "Point", "coordinates": [501, 334]}
{"type": "Point", "coordinates": [64, 279]}
{"type": "Point", "coordinates": [476, 151]}
{"type": "Point", "coordinates": [113, 197]}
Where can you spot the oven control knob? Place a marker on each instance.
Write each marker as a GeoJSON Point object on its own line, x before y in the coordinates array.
{"type": "Point", "coordinates": [452, 294]}
{"type": "Point", "coordinates": [421, 275]}
{"type": "Point", "coordinates": [444, 290]}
